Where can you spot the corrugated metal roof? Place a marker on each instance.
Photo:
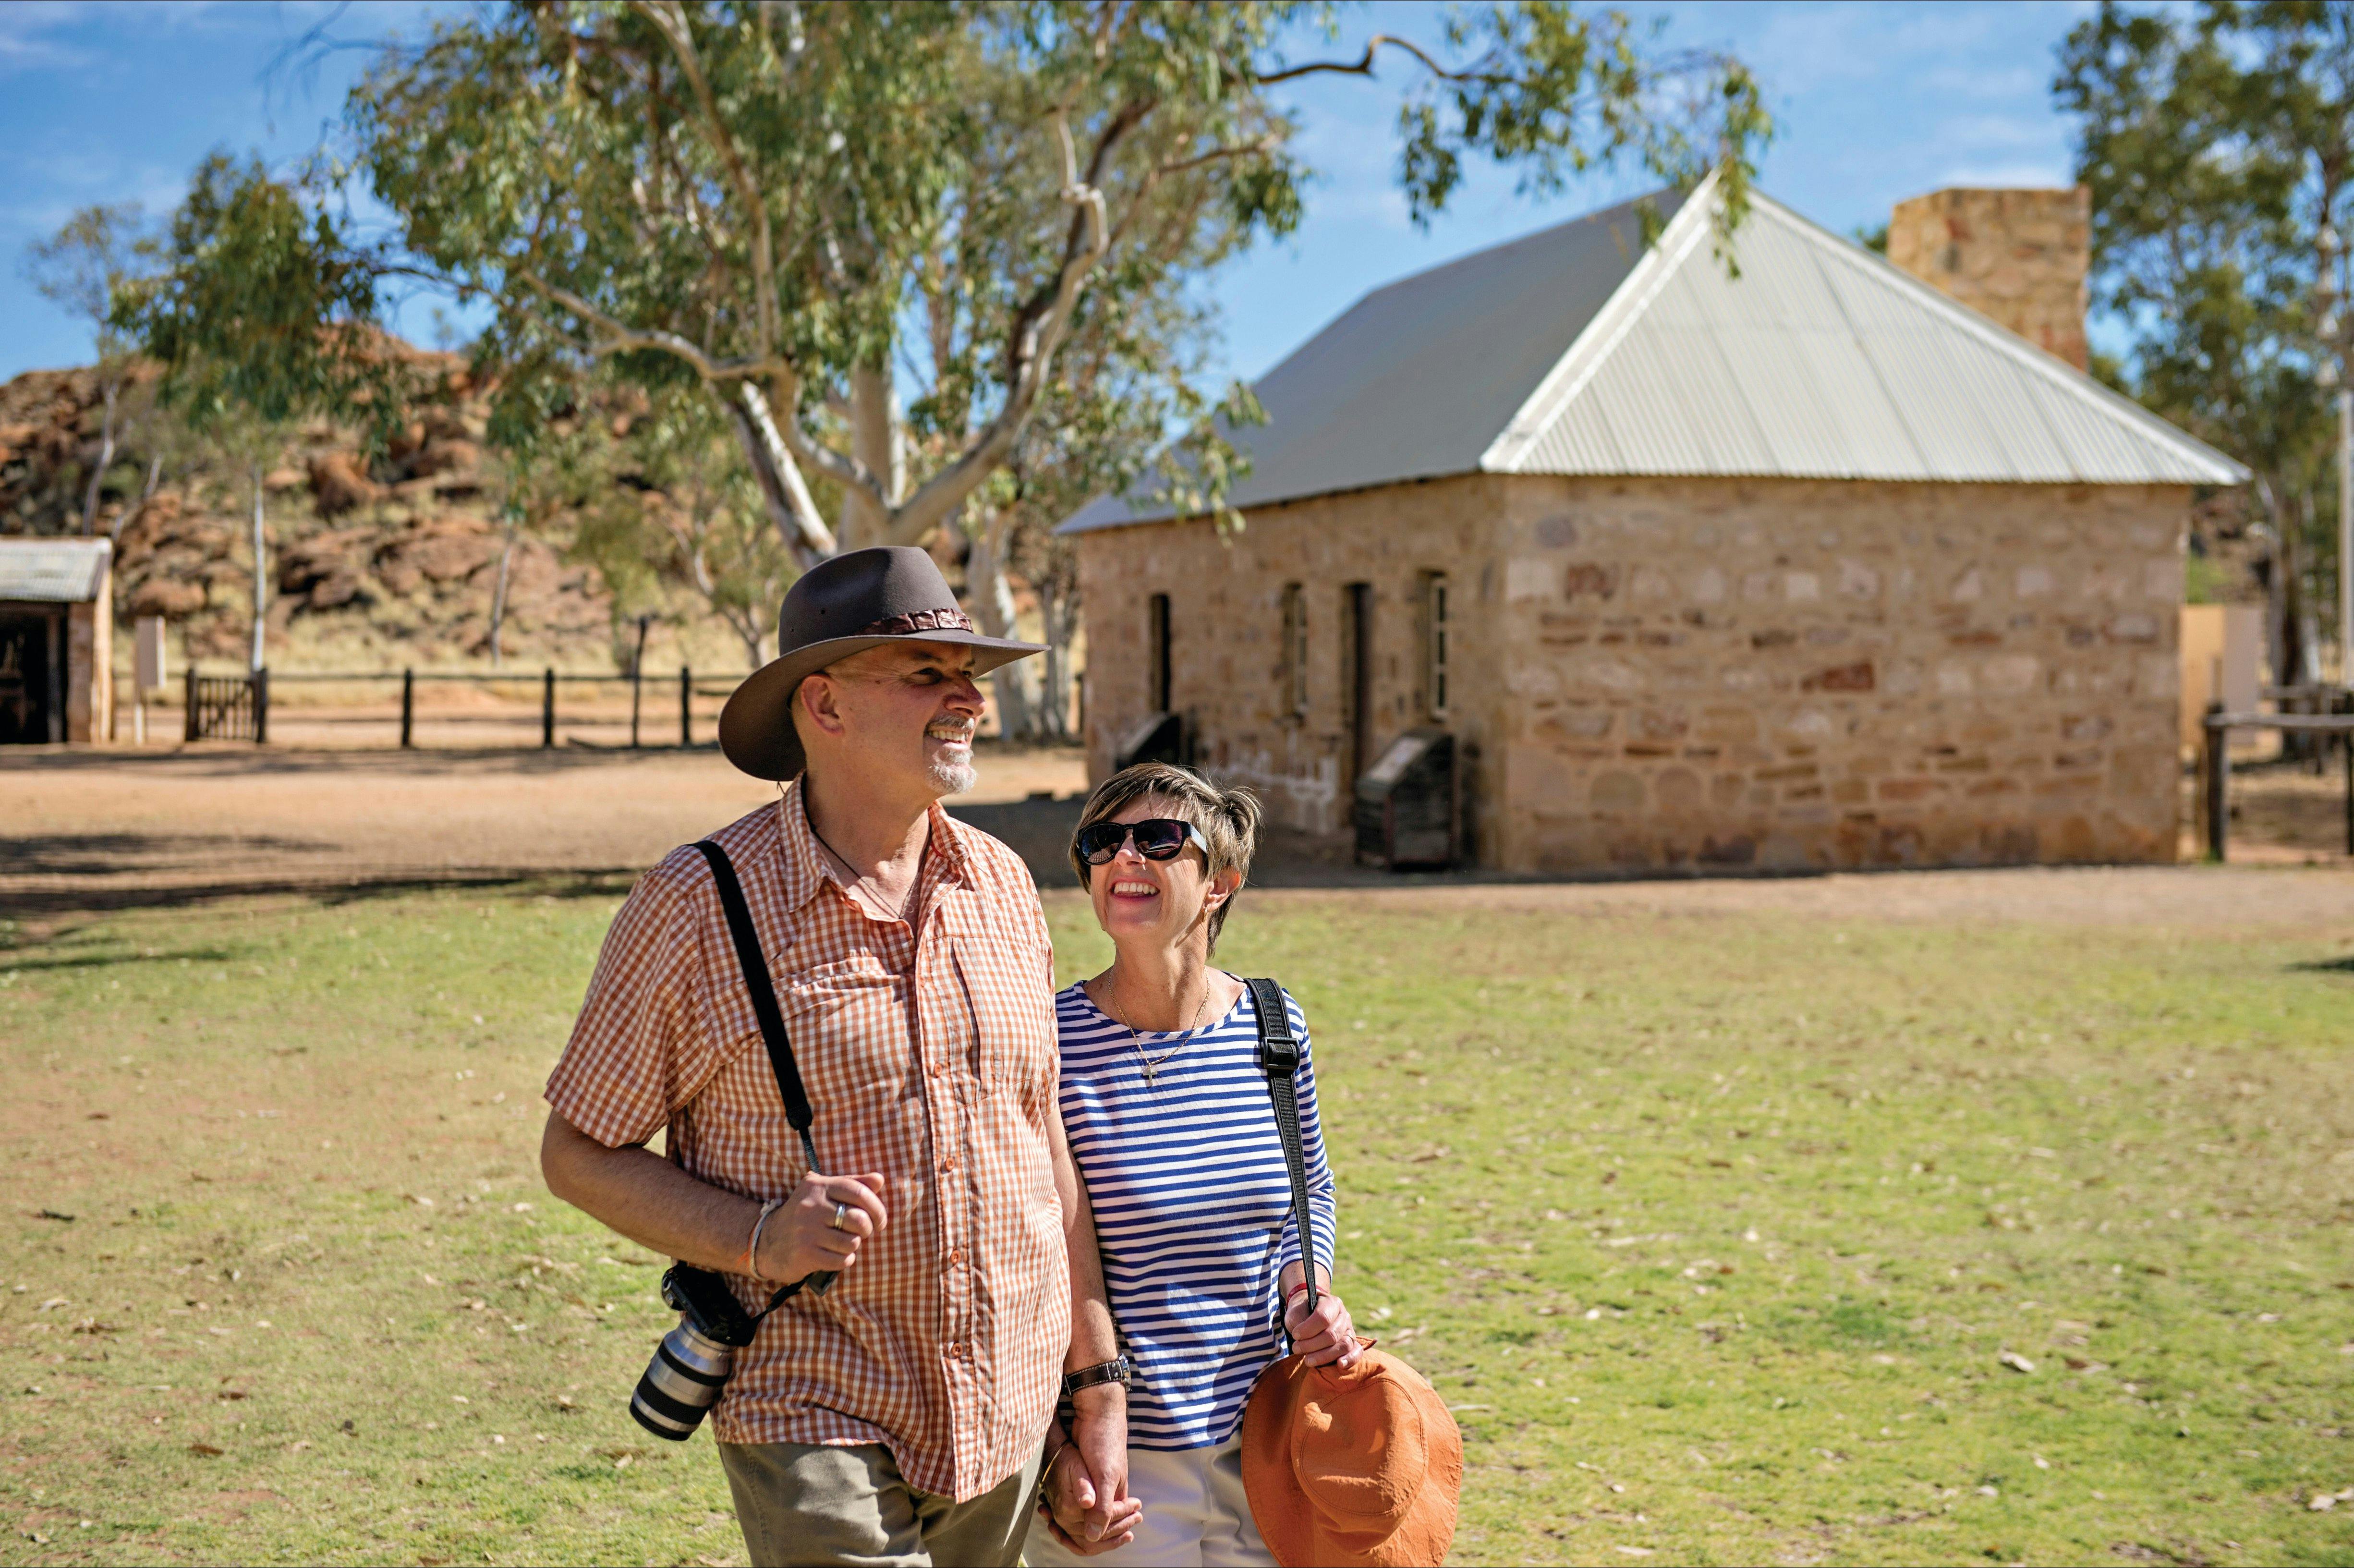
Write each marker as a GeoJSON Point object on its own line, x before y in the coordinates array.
{"type": "Point", "coordinates": [54, 571]}
{"type": "Point", "coordinates": [1575, 350]}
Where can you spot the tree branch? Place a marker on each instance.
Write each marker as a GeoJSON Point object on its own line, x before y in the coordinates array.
{"type": "Point", "coordinates": [1364, 66]}
{"type": "Point", "coordinates": [669, 18]}
{"type": "Point", "coordinates": [1038, 330]}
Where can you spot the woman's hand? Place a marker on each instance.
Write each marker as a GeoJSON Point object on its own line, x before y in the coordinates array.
{"type": "Point", "coordinates": [1325, 1337]}
{"type": "Point", "coordinates": [1071, 1495]}
{"type": "Point", "coordinates": [801, 1238]}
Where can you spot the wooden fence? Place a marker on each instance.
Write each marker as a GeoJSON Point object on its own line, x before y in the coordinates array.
{"type": "Point", "coordinates": [2215, 764]}
{"type": "Point", "coordinates": [237, 707]}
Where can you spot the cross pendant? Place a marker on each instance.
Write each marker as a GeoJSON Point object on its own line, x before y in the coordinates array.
{"type": "Point", "coordinates": [1151, 1075]}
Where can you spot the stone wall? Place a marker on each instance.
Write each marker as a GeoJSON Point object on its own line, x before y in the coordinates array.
{"type": "Point", "coordinates": [1698, 675]}
{"type": "Point", "coordinates": [1786, 674]}
{"type": "Point", "coordinates": [1226, 625]}
{"type": "Point", "coordinates": [90, 666]}
{"type": "Point", "coordinates": [2016, 256]}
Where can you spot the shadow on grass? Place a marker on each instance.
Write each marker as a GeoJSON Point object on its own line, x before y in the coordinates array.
{"type": "Point", "coordinates": [2342, 966]}
{"type": "Point", "coordinates": [108, 960]}
{"type": "Point", "coordinates": [329, 893]}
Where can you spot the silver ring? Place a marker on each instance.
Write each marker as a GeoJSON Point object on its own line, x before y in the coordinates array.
{"type": "Point", "coordinates": [840, 1212]}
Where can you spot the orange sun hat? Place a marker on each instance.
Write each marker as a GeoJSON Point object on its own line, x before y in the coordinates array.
{"type": "Point", "coordinates": [1351, 1469]}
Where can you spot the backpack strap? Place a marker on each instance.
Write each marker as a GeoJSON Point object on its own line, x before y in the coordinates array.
{"type": "Point", "coordinates": [763, 987]}
{"type": "Point", "coordinates": [1279, 1058]}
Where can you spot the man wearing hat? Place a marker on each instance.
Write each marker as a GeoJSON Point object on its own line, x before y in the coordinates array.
{"type": "Point", "coordinates": [898, 1416]}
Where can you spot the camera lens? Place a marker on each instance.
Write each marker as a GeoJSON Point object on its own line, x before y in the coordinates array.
{"type": "Point", "coordinates": [682, 1383]}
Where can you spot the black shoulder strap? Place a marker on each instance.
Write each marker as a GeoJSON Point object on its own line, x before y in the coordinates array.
{"type": "Point", "coordinates": [1279, 1058]}
{"type": "Point", "coordinates": [758, 981]}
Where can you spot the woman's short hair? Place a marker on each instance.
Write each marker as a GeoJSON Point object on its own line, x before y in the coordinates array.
{"type": "Point", "coordinates": [1229, 820]}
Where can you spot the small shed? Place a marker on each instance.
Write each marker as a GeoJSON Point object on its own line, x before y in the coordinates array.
{"type": "Point", "coordinates": [57, 641]}
{"type": "Point", "coordinates": [1805, 565]}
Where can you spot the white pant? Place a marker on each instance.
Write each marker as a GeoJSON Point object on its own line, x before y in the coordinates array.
{"type": "Point", "coordinates": [1195, 1516]}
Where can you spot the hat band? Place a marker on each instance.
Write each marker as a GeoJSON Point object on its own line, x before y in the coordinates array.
{"type": "Point", "coordinates": [918, 620]}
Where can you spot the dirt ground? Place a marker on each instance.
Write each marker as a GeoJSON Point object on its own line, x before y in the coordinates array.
{"type": "Point", "coordinates": [113, 828]}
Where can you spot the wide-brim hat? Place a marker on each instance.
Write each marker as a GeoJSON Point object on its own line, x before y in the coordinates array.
{"type": "Point", "coordinates": [840, 607]}
{"type": "Point", "coordinates": [1351, 1469]}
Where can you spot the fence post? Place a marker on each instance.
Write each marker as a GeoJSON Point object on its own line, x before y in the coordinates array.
{"type": "Point", "coordinates": [2216, 775]}
{"type": "Point", "coordinates": [189, 705]}
{"type": "Point", "coordinates": [2346, 740]}
{"type": "Point", "coordinates": [261, 706]}
{"type": "Point", "coordinates": [685, 706]}
{"type": "Point", "coordinates": [547, 709]}
{"type": "Point", "coordinates": [637, 695]}
{"type": "Point", "coordinates": [408, 709]}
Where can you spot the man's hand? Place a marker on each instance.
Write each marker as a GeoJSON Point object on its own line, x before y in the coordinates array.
{"type": "Point", "coordinates": [801, 1238]}
{"type": "Point", "coordinates": [1100, 1434]}
{"type": "Point", "coordinates": [1077, 1505]}
{"type": "Point", "coordinates": [1326, 1336]}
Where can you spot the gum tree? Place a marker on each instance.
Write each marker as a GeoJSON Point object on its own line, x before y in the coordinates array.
{"type": "Point", "coordinates": [2219, 150]}
{"type": "Point", "coordinates": [749, 199]}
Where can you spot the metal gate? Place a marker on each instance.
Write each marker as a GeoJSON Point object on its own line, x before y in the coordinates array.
{"type": "Point", "coordinates": [228, 707]}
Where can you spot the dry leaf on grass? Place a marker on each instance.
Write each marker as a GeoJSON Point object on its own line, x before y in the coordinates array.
{"type": "Point", "coordinates": [2016, 1361]}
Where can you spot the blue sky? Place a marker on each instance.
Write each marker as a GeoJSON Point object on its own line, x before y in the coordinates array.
{"type": "Point", "coordinates": [1875, 102]}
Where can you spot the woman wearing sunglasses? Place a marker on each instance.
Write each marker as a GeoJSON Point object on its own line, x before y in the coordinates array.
{"type": "Point", "coordinates": [1174, 1132]}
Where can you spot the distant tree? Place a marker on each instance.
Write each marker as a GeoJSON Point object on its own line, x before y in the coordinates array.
{"type": "Point", "coordinates": [260, 317]}
{"type": "Point", "coordinates": [2219, 146]}
{"type": "Point", "coordinates": [81, 269]}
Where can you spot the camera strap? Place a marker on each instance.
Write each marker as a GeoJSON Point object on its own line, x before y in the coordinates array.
{"type": "Point", "coordinates": [758, 981]}
{"type": "Point", "coordinates": [1279, 1058]}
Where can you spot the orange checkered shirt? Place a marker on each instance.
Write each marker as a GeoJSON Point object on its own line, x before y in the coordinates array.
{"type": "Point", "coordinates": [929, 1055]}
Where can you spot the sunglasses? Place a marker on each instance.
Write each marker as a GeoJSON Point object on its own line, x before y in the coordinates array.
{"type": "Point", "coordinates": [1157, 838]}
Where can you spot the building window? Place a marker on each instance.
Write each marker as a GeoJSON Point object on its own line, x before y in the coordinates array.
{"type": "Point", "coordinates": [1157, 636]}
{"type": "Point", "coordinates": [1435, 636]}
{"type": "Point", "coordinates": [1295, 650]}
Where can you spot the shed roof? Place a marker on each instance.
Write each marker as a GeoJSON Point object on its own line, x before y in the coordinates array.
{"type": "Point", "coordinates": [54, 571]}
{"type": "Point", "coordinates": [1576, 350]}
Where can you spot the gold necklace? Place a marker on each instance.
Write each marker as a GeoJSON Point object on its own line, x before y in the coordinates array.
{"type": "Point", "coordinates": [1152, 1065]}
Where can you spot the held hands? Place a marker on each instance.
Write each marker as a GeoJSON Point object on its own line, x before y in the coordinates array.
{"type": "Point", "coordinates": [1325, 1337]}
{"type": "Point", "coordinates": [801, 1239]}
{"type": "Point", "coordinates": [1086, 1496]}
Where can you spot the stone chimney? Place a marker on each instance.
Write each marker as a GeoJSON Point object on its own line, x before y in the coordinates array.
{"type": "Point", "coordinates": [2018, 256]}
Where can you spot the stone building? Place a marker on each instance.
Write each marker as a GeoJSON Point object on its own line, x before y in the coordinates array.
{"type": "Point", "coordinates": [57, 641]}
{"type": "Point", "coordinates": [1801, 566]}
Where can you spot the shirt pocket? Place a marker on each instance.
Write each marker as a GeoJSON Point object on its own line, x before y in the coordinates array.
{"type": "Point", "coordinates": [847, 1021]}
{"type": "Point", "coordinates": [1009, 993]}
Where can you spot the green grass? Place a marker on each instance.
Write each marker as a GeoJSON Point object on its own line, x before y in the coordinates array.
{"type": "Point", "coordinates": [1713, 1230]}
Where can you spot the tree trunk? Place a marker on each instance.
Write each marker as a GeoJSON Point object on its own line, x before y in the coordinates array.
{"type": "Point", "coordinates": [790, 504]}
{"type": "Point", "coordinates": [261, 571]}
{"type": "Point", "coordinates": [105, 460]}
{"type": "Point", "coordinates": [991, 598]}
{"type": "Point", "coordinates": [875, 442]}
{"type": "Point", "coordinates": [499, 595]}
{"type": "Point", "coordinates": [1060, 613]}
{"type": "Point", "coordinates": [130, 514]}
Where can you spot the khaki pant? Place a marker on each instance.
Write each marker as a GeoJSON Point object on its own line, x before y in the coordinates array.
{"type": "Point", "coordinates": [806, 1505]}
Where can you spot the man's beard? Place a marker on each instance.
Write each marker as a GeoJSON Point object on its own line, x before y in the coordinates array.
{"type": "Point", "coordinates": [952, 774]}
{"type": "Point", "coordinates": [953, 777]}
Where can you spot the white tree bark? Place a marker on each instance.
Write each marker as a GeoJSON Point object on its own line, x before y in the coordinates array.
{"type": "Point", "coordinates": [790, 504]}
{"type": "Point", "coordinates": [991, 598]}
{"type": "Point", "coordinates": [261, 570]}
{"type": "Point", "coordinates": [105, 460]}
{"type": "Point", "coordinates": [499, 594]}
{"type": "Point", "coordinates": [874, 443]}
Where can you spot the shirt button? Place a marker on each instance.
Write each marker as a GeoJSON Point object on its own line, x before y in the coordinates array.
{"type": "Point", "coordinates": [949, 1164]}
{"type": "Point", "coordinates": [956, 1255]}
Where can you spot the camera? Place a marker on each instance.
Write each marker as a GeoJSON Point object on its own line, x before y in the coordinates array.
{"type": "Point", "coordinates": [690, 1365]}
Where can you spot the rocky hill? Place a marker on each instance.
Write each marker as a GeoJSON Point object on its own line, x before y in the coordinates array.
{"type": "Point", "coordinates": [375, 562]}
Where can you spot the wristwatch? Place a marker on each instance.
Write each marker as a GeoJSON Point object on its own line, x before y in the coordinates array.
{"type": "Point", "coordinates": [1118, 1370]}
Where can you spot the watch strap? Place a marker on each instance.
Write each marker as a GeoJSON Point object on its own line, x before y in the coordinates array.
{"type": "Point", "coordinates": [1116, 1370]}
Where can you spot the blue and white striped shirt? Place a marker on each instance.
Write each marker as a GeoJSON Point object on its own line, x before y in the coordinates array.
{"type": "Point", "coordinates": [1192, 1203]}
